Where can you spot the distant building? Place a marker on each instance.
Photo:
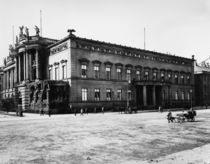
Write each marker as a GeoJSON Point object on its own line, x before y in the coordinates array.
{"type": "Point", "coordinates": [202, 83]}
{"type": "Point", "coordinates": [97, 73]}
{"type": "Point", "coordinates": [1, 84]}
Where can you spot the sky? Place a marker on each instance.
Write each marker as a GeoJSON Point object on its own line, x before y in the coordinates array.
{"type": "Point", "coordinates": [177, 27]}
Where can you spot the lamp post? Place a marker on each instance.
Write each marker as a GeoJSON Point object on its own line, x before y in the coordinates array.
{"type": "Point", "coordinates": [191, 91]}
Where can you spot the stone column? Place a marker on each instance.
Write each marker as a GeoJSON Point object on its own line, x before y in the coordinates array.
{"type": "Point", "coordinates": [145, 95]}
{"type": "Point", "coordinates": [37, 64]}
{"type": "Point", "coordinates": [154, 95]}
{"type": "Point", "coordinates": [7, 79]}
{"type": "Point", "coordinates": [19, 69]}
{"type": "Point", "coordinates": [29, 67]}
{"type": "Point", "coordinates": [4, 81]}
{"type": "Point", "coordinates": [11, 77]}
{"type": "Point", "coordinates": [24, 65]}
{"type": "Point", "coordinates": [15, 71]}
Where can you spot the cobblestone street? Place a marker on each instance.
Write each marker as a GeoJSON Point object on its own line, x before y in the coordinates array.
{"type": "Point", "coordinates": [100, 138]}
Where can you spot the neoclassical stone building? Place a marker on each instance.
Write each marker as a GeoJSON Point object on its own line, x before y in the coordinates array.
{"type": "Point", "coordinates": [90, 73]}
{"type": "Point", "coordinates": [202, 83]}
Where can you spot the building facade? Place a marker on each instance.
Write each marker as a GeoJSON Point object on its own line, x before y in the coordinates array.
{"type": "Point", "coordinates": [110, 75]}
{"type": "Point", "coordinates": [97, 73]}
{"type": "Point", "coordinates": [202, 83]}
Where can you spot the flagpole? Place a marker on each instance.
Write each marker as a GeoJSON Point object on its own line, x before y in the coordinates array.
{"type": "Point", "coordinates": [40, 22]}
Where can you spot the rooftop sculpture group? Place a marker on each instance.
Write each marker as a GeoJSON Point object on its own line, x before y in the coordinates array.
{"type": "Point", "coordinates": [26, 35]}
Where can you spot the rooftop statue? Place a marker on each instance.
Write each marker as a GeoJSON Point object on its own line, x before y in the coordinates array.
{"type": "Point", "coordinates": [37, 30]}
{"type": "Point", "coordinates": [27, 31]}
{"type": "Point", "coordinates": [21, 31]}
{"type": "Point", "coordinates": [71, 32]}
{"type": "Point", "coordinates": [17, 39]}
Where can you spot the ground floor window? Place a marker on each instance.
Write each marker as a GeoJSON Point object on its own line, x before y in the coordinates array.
{"type": "Point", "coordinates": [84, 94]}
{"type": "Point", "coordinates": [97, 94]}
{"type": "Point", "coordinates": [129, 95]}
{"type": "Point", "coordinates": [176, 95]}
{"type": "Point", "coordinates": [182, 95]}
{"type": "Point", "coordinates": [119, 94]}
{"type": "Point", "coordinates": [108, 94]}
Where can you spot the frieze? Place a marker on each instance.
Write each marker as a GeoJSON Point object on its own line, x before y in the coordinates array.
{"type": "Point", "coordinates": [59, 48]}
{"type": "Point", "coordinates": [133, 54]}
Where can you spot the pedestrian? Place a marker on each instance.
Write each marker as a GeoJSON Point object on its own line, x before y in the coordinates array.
{"type": "Point", "coordinates": [81, 111]}
{"type": "Point", "coordinates": [86, 111]}
{"type": "Point", "coordinates": [169, 117]}
{"type": "Point", "coordinates": [75, 111]}
{"type": "Point", "coordinates": [160, 109]}
{"type": "Point", "coordinates": [102, 109]}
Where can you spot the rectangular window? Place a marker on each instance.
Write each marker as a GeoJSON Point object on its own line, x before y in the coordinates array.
{"type": "Point", "coordinates": [108, 73]}
{"type": "Point", "coordinates": [63, 71]}
{"type": "Point", "coordinates": [176, 79]}
{"type": "Point", "coordinates": [129, 95]}
{"type": "Point", "coordinates": [176, 95]}
{"type": "Point", "coordinates": [164, 95]}
{"type": "Point", "coordinates": [188, 79]}
{"type": "Point", "coordinates": [97, 94]}
{"type": "Point", "coordinates": [138, 75]}
{"type": "Point", "coordinates": [50, 74]}
{"type": "Point", "coordinates": [96, 71]}
{"type": "Point", "coordinates": [84, 94]}
{"type": "Point", "coordinates": [169, 77]}
{"type": "Point", "coordinates": [182, 79]}
{"type": "Point", "coordinates": [188, 96]}
{"type": "Point", "coordinates": [119, 94]}
{"type": "Point", "coordinates": [162, 76]}
{"type": "Point", "coordinates": [182, 95]}
{"type": "Point", "coordinates": [84, 71]}
{"type": "Point", "coordinates": [128, 75]}
{"type": "Point", "coordinates": [146, 75]}
{"type": "Point", "coordinates": [56, 73]}
{"type": "Point", "coordinates": [108, 94]}
{"type": "Point", "coordinates": [119, 74]}
{"type": "Point", "coordinates": [154, 76]}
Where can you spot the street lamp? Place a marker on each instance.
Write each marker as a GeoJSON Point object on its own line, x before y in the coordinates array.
{"type": "Point", "coordinates": [191, 91]}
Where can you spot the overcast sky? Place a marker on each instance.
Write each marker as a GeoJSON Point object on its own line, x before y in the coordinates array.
{"type": "Point", "coordinates": [180, 27]}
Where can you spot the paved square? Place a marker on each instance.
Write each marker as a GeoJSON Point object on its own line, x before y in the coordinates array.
{"type": "Point", "coordinates": [99, 138]}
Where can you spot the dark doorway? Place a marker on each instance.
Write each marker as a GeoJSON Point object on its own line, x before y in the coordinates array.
{"type": "Point", "coordinates": [158, 95]}
{"type": "Point", "coordinates": [139, 95]}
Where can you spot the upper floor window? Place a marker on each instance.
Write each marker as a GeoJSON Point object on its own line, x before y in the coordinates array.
{"type": "Point", "coordinates": [97, 72]}
{"type": "Point", "coordinates": [119, 73]}
{"type": "Point", "coordinates": [97, 94]}
{"type": "Point", "coordinates": [188, 79]}
{"type": "Point", "coordinates": [138, 75]}
{"type": "Point", "coordinates": [182, 79]}
{"type": "Point", "coordinates": [128, 75]}
{"type": "Point", "coordinates": [56, 73]}
{"type": "Point", "coordinates": [119, 94]}
{"type": "Point", "coordinates": [176, 78]}
{"type": "Point", "coordinates": [64, 71]}
{"type": "Point", "coordinates": [154, 76]}
{"type": "Point", "coordinates": [50, 74]}
{"type": "Point", "coordinates": [162, 76]}
{"type": "Point", "coordinates": [84, 94]}
{"type": "Point", "coordinates": [169, 76]}
{"type": "Point", "coordinates": [108, 94]}
{"type": "Point", "coordinates": [146, 75]}
{"type": "Point", "coordinates": [84, 71]}
{"type": "Point", "coordinates": [108, 73]}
